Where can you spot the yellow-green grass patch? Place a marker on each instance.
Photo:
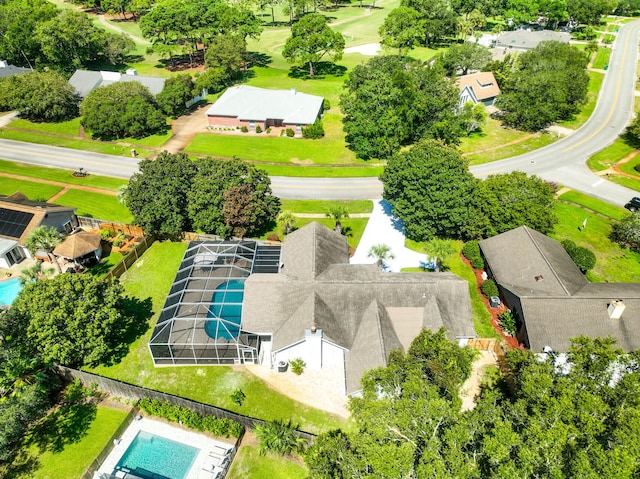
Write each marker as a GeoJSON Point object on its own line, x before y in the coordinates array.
{"type": "Point", "coordinates": [250, 464]}
{"type": "Point", "coordinates": [594, 204]}
{"type": "Point", "coordinates": [613, 153]}
{"type": "Point", "coordinates": [322, 206]}
{"type": "Point", "coordinates": [33, 190]}
{"type": "Point", "coordinates": [96, 205]}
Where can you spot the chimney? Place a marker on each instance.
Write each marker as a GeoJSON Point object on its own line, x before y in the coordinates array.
{"type": "Point", "coordinates": [615, 308]}
{"type": "Point", "coordinates": [313, 353]}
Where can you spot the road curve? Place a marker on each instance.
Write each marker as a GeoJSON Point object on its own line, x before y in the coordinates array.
{"type": "Point", "coordinates": [565, 160]}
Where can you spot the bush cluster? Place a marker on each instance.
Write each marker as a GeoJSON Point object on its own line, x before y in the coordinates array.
{"type": "Point", "coordinates": [507, 322]}
{"type": "Point", "coordinates": [191, 419]}
{"type": "Point", "coordinates": [582, 257]}
{"type": "Point", "coordinates": [314, 131]}
{"type": "Point", "coordinates": [290, 133]}
{"type": "Point", "coordinates": [258, 129]}
{"type": "Point", "coordinates": [489, 288]}
{"type": "Point", "coordinates": [471, 251]}
{"type": "Point", "coordinates": [244, 129]}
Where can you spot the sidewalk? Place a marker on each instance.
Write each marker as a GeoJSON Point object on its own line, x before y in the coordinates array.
{"type": "Point", "coordinates": [384, 228]}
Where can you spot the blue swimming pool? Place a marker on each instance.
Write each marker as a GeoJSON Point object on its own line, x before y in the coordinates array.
{"type": "Point", "coordinates": [9, 290]}
{"type": "Point", "coordinates": [150, 456]}
{"type": "Point", "coordinates": [226, 304]}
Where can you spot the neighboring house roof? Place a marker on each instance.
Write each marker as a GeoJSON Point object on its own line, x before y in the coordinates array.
{"type": "Point", "coordinates": [360, 308]}
{"type": "Point", "coordinates": [7, 70]}
{"type": "Point", "coordinates": [249, 103]}
{"type": "Point", "coordinates": [85, 81]}
{"type": "Point", "coordinates": [563, 304]}
{"type": "Point", "coordinates": [483, 85]}
{"type": "Point", "coordinates": [7, 245]}
{"type": "Point", "coordinates": [528, 39]}
{"type": "Point", "coordinates": [78, 245]}
{"type": "Point", "coordinates": [19, 215]}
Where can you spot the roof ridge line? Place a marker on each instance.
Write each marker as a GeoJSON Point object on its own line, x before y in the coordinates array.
{"type": "Point", "coordinates": [544, 257]}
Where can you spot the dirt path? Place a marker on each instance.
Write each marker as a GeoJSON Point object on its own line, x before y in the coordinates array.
{"type": "Point", "coordinates": [615, 168]}
{"type": "Point", "coordinates": [66, 186]}
{"type": "Point", "coordinates": [185, 128]}
{"type": "Point", "coordinates": [111, 26]}
{"type": "Point", "coordinates": [514, 142]}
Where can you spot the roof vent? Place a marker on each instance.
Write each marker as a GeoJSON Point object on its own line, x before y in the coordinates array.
{"type": "Point", "coordinates": [615, 308]}
{"type": "Point", "coordinates": [539, 278]}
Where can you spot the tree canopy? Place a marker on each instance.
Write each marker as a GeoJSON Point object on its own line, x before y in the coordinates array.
{"type": "Point", "coordinates": [463, 57]}
{"type": "Point", "coordinates": [548, 84]}
{"type": "Point", "coordinates": [75, 320]}
{"type": "Point", "coordinates": [39, 96]}
{"type": "Point", "coordinates": [575, 416]}
{"type": "Point", "coordinates": [172, 194]}
{"type": "Point", "coordinates": [431, 191]}
{"type": "Point", "coordinates": [392, 101]}
{"type": "Point", "coordinates": [311, 39]}
{"type": "Point", "coordinates": [177, 91]}
{"type": "Point", "coordinates": [122, 110]}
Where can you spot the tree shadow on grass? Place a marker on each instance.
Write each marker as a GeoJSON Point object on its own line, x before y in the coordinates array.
{"type": "Point", "coordinates": [322, 70]}
{"type": "Point", "coordinates": [23, 466]}
{"type": "Point", "coordinates": [259, 59]}
{"type": "Point", "coordinates": [65, 425]}
{"type": "Point", "coordinates": [137, 313]}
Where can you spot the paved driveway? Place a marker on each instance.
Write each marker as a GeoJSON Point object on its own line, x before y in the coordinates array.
{"type": "Point", "coordinates": [384, 228]}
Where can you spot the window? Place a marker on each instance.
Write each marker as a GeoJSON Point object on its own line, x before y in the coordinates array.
{"type": "Point", "coordinates": [68, 227]}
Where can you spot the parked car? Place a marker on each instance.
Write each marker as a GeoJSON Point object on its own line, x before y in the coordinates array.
{"type": "Point", "coordinates": [633, 204]}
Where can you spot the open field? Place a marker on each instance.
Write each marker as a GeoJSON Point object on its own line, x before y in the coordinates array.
{"type": "Point", "coordinates": [96, 205]}
{"type": "Point", "coordinates": [150, 278]}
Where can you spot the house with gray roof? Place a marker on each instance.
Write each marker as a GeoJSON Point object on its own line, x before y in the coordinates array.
{"type": "Point", "coordinates": [7, 70]}
{"type": "Point", "coordinates": [552, 300]}
{"type": "Point", "coordinates": [249, 106]}
{"type": "Point", "coordinates": [85, 81]}
{"type": "Point", "coordinates": [529, 39]}
{"type": "Point", "coordinates": [303, 300]}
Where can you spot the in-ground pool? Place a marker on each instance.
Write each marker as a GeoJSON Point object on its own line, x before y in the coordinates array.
{"type": "Point", "coordinates": [154, 457]}
{"type": "Point", "coordinates": [9, 290]}
{"type": "Point", "coordinates": [226, 304]}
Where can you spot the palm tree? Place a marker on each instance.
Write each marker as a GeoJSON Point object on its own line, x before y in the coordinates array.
{"type": "Point", "coordinates": [382, 253]}
{"type": "Point", "coordinates": [439, 249]}
{"type": "Point", "coordinates": [32, 273]}
{"type": "Point", "coordinates": [279, 437]}
{"type": "Point", "coordinates": [337, 212]}
{"type": "Point", "coordinates": [44, 238]}
{"type": "Point", "coordinates": [288, 220]}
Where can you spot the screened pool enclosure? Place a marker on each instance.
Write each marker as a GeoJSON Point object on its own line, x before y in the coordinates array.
{"type": "Point", "coordinates": [201, 322]}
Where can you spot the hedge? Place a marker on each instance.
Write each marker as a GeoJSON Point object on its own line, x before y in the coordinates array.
{"type": "Point", "coordinates": [581, 256]}
{"type": "Point", "coordinates": [471, 251]}
{"type": "Point", "coordinates": [191, 419]}
{"type": "Point", "coordinates": [489, 288]}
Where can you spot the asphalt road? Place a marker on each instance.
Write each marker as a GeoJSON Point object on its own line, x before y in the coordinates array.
{"type": "Point", "coordinates": [562, 161]}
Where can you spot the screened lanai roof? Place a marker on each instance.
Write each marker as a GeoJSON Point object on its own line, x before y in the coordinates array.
{"type": "Point", "coordinates": [204, 305]}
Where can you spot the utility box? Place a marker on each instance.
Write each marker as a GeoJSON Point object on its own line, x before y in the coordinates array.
{"type": "Point", "coordinates": [494, 302]}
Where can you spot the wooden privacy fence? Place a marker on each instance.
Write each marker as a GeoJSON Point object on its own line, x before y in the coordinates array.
{"type": "Point", "coordinates": [131, 257]}
{"type": "Point", "coordinates": [119, 388]}
{"type": "Point", "coordinates": [97, 462]}
{"type": "Point", "coordinates": [98, 224]}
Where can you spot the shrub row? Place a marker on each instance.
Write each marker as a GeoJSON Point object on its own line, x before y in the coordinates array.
{"type": "Point", "coordinates": [471, 251]}
{"type": "Point", "coordinates": [489, 288]}
{"type": "Point", "coordinates": [582, 257]}
{"type": "Point", "coordinates": [191, 419]}
{"type": "Point", "coordinates": [314, 131]}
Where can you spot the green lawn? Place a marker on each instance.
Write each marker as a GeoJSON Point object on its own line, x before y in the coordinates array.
{"type": "Point", "coordinates": [613, 264]}
{"type": "Point", "coordinates": [594, 204]}
{"type": "Point", "coordinates": [93, 427]}
{"type": "Point", "coordinates": [322, 206]}
{"type": "Point", "coordinates": [493, 134]}
{"type": "Point", "coordinates": [352, 228]}
{"type": "Point", "coordinates": [322, 171]}
{"type": "Point", "coordinates": [71, 127]}
{"type": "Point", "coordinates": [249, 464]}
{"type": "Point", "coordinates": [151, 277]}
{"type": "Point", "coordinates": [530, 144]}
{"type": "Point", "coordinates": [595, 82]}
{"type": "Point", "coordinates": [613, 153]}
{"type": "Point", "coordinates": [602, 58]}
{"type": "Point", "coordinates": [96, 205]}
{"type": "Point", "coordinates": [63, 176]}
{"type": "Point", "coordinates": [631, 183]}
{"type": "Point", "coordinates": [33, 190]}
{"type": "Point", "coordinates": [455, 265]}
{"type": "Point", "coordinates": [106, 264]}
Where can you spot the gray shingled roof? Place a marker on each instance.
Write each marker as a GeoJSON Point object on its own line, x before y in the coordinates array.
{"type": "Point", "coordinates": [85, 81]}
{"type": "Point", "coordinates": [521, 255]}
{"type": "Point", "coordinates": [249, 103]}
{"type": "Point", "coordinates": [528, 39]}
{"type": "Point", "coordinates": [7, 70]}
{"type": "Point", "coordinates": [563, 304]}
{"type": "Point", "coordinates": [349, 302]}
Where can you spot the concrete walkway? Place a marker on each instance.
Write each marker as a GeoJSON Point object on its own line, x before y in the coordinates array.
{"type": "Point", "coordinates": [384, 228]}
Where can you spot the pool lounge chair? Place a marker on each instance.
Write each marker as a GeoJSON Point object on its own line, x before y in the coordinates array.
{"type": "Point", "coordinates": [221, 450]}
{"type": "Point", "coordinates": [211, 472]}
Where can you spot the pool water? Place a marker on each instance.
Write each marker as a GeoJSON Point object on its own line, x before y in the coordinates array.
{"type": "Point", "coordinates": [150, 456]}
{"type": "Point", "coordinates": [9, 290]}
{"type": "Point", "coordinates": [228, 326]}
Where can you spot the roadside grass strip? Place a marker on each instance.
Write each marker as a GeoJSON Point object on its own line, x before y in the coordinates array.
{"type": "Point", "coordinates": [96, 205]}
{"type": "Point", "coordinates": [32, 189]}
{"type": "Point", "coordinates": [594, 204]}
{"type": "Point", "coordinates": [613, 153]}
{"type": "Point", "coordinates": [322, 206]}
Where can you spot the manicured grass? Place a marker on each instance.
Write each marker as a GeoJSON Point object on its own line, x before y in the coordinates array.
{"type": "Point", "coordinates": [77, 453]}
{"type": "Point", "coordinates": [613, 153]}
{"type": "Point", "coordinates": [455, 265]}
{"type": "Point", "coordinates": [595, 82]}
{"type": "Point", "coordinates": [594, 204]}
{"type": "Point", "coordinates": [534, 143]}
{"type": "Point", "coordinates": [106, 264]}
{"type": "Point", "coordinates": [322, 206]}
{"type": "Point", "coordinates": [629, 166]}
{"type": "Point", "coordinates": [76, 144]}
{"type": "Point", "coordinates": [64, 176]}
{"type": "Point", "coordinates": [151, 277]}
{"type": "Point", "coordinates": [322, 171]}
{"type": "Point", "coordinates": [33, 190]}
{"type": "Point", "coordinates": [71, 127]}
{"type": "Point", "coordinates": [249, 464]}
{"type": "Point", "coordinates": [613, 264]}
{"type": "Point", "coordinates": [493, 134]}
{"type": "Point", "coordinates": [602, 58]}
{"type": "Point", "coordinates": [96, 205]}
{"type": "Point", "coordinates": [352, 228]}
{"type": "Point", "coordinates": [631, 183]}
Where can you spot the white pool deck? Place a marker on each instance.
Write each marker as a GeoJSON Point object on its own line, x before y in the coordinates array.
{"type": "Point", "coordinates": [202, 466]}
